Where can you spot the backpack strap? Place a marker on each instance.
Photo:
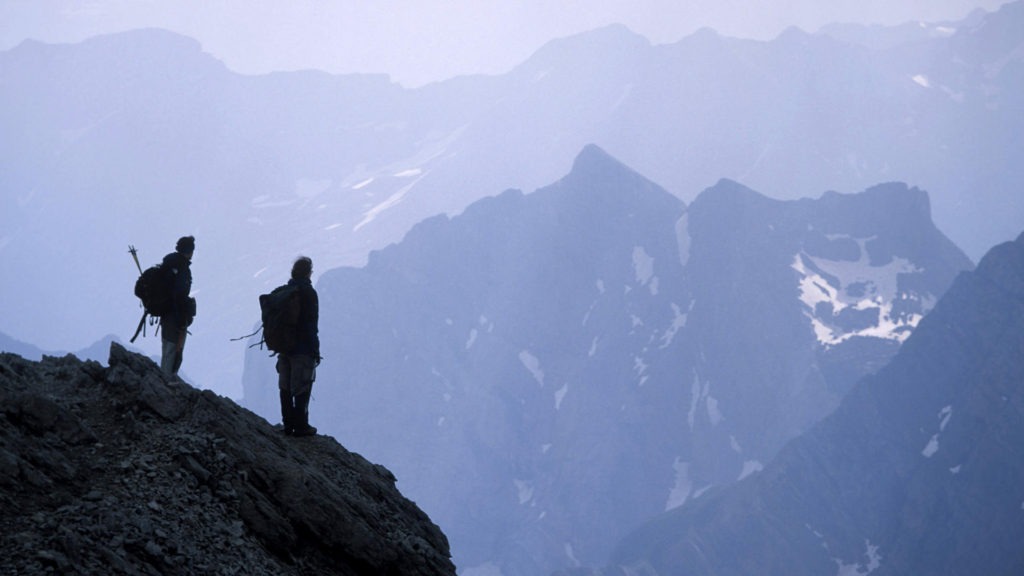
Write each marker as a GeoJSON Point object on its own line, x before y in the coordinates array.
{"type": "Point", "coordinates": [142, 325]}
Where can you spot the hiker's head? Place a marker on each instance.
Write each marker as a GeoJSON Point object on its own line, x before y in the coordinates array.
{"type": "Point", "coordinates": [303, 268]}
{"type": "Point", "coordinates": [186, 246]}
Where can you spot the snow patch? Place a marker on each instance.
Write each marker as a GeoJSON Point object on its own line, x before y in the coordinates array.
{"type": "Point", "coordinates": [862, 287]}
{"type": "Point", "coordinates": [714, 414]}
{"type": "Point", "coordinates": [700, 395]}
{"type": "Point", "coordinates": [750, 467]}
{"type": "Point", "coordinates": [409, 173]}
{"type": "Point", "coordinates": [560, 395]}
{"type": "Point", "coordinates": [678, 323]}
{"type": "Point", "coordinates": [922, 80]}
{"type": "Point", "coordinates": [571, 555]}
{"type": "Point", "coordinates": [874, 562]}
{"type": "Point", "coordinates": [640, 367]}
{"type": "Point", "coordinates": [933, 445]}
{"type": "Point", "coordinates": [683, 485]}
{"type": "Point", "coordinates": [363, 184]}
{"type": "Point", "coordinates": [643, 267]}
{"type": "Point", "coordinates": [472, 338]}
{"type": "Point", "coordinates": [531, 363]}
{"type": "Point", "coordinates": [392, 201]}
{"type": "Point", "coordinates": [524, 490]}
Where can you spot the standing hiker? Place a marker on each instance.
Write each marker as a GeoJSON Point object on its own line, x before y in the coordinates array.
{"type": "Point", "coordinates": [175, 321]}
{"type": "Point", "coordinates": [296, 367]}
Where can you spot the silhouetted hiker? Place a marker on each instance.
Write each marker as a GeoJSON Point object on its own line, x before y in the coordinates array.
{"type": "Point", "coordinates": [175, 321]}
{"type": "Point", "coordinates": [296, 368]}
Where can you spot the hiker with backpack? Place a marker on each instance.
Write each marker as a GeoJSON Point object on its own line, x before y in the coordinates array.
{"type": "Point", "coordinates": [299, 354]}
{"type": "Point", "coordinates": [181, 309]}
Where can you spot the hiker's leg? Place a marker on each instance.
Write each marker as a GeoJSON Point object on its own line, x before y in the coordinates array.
{"type": "Point", "coordinates": [304, 372]}
{"type": "Point", "coordinates": [180, 351]}
{"type": "Point", "coordinates": [168, 358]}
{"type": "Point", "coordinates": [284, 373]}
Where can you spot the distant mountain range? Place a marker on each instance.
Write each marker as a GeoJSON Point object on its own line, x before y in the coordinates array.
{"type": "Point", "coordinates": [919, 471]}
{"type": "Point", "coordinates": [546, 371]}
{"type": "Point", "coordinates": [140, 137]}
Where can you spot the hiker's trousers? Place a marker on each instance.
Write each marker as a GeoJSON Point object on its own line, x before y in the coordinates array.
{"type": "Point", "coordinates": [170, 360]}
{"type": "Point", "coordinates": [295, 376]}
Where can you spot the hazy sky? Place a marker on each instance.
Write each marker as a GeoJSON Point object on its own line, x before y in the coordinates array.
{"type": "Point", "coordinates": [418, 41]}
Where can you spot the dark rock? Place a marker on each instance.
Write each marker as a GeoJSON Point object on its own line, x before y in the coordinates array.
{"type": "Point", "coordinates": [185, 482]}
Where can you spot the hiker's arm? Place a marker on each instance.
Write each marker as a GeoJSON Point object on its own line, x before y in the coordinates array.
{"type": "Point", "coordinates": [182, 305]}
{"type": "Point", "coordinates": [312, 326]}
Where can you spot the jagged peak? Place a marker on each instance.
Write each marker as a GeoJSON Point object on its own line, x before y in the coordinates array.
{"type": "Point", "coordinates": [729, 192]}
{"type": "Point", "coordinates": [593, 157]}
{"type": "Point", "coordinates": [594, 169]}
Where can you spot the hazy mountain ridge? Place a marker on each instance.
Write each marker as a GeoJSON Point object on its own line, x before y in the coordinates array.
{"type": "Point", "coordinates": [261, 168]}
{"type": "Point", "coordinates": [918, 471]}
{"type": "Point", "coordinates": [98, 352]}
{"type": "Point", "coordinates": [117, 469]}
{"type": "Point", "coordinates": [595, 352]}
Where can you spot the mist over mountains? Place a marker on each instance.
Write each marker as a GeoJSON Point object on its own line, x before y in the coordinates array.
{"type": "Point", "coordinates": [625, 299]}
{"type": "Point", "coordinates": [546, 371]}
{"type": "Point", "coordinates": [141, 137]}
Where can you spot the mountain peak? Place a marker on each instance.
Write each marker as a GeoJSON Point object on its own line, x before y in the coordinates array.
{"type": "Point", "coordinates": [593, 157]}
{"type": "Point", "coordinates": [595, 170]}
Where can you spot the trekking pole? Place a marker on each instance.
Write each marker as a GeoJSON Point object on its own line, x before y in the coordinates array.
{"type": "Point", "coordinates": [142, 322]}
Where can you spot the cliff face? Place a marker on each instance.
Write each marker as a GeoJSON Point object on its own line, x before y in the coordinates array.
{"type": "Point", "coordinates": [118, 470]}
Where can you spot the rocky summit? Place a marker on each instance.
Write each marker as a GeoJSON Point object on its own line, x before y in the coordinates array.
{"type": "Point", "coordinates": [121, 470]}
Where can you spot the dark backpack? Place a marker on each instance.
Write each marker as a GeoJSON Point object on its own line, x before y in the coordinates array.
{"type": "Point", "coordinates": [154, 289]}
{"type": "Point", "coordinates": [280, 310]}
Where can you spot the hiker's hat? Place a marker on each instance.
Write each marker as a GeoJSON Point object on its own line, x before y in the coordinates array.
{"type": "Point", "coordinates": [186, 245]}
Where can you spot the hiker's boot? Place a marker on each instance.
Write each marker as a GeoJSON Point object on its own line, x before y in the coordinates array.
{"type": "Point", "coordinates": [301, 414]}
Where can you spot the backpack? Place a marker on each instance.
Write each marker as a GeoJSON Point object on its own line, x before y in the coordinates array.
{"type": "Point", "coordinates": [154, 289]}
{"type": "Point", "coordinates": [280, 311]}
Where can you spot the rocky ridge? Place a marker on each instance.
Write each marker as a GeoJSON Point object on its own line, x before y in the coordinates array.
{"type": "Point", "coordinates": [120, 470]}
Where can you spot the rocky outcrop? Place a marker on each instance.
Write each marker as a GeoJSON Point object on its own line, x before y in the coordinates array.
{"type": "Point", "coordinates": [119, 470]}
